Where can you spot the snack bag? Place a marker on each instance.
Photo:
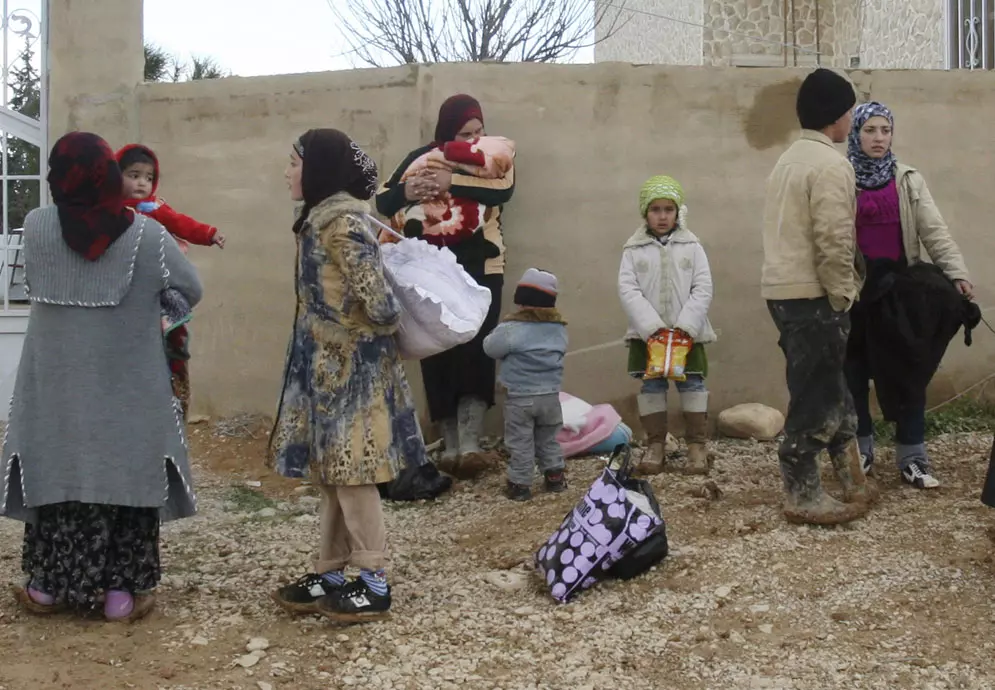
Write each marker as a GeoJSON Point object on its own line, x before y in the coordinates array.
{"type": "Point", "coordinates": [667, 355]}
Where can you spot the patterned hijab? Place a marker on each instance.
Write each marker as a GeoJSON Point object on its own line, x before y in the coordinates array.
{"type": "Point", "coordinates": [872, 173]}
{"type": "Point", "coordinates": [455, 112]}
{"type": "Point", "coordinates": [333, 163]}
{"type": "Point", "coordinates": [87, 188]}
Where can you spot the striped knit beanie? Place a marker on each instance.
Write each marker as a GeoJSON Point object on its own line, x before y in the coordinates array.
{"type": "Point", "coordinates": [536, 289]}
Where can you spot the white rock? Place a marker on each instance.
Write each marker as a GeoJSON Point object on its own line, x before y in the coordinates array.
{"type": "Point", "coordinates": [507, 580]}
{"type": "Point", "coordinates": [257, 644]}
{"type": "Point", "coordinates": [723, 592]}
{"type": "Point", "coordinates": [247, 661]}
{"type": "Point", "coordinates": [199, 641]}
{"type": "Point", "coordinates": [760, 608]}
{"type": "Point", "coordinates": [766, 628]}
{"type": "Point", "coordinates": [263, 685]}
{"type": "Point", "coordinates": [309, 501]}
{"type": "Point", "coordinates": [254, 484]}
{"type": "Point", "coordinates": [267, 513]}
{"type": "Point", "coordinates": [751, 420]}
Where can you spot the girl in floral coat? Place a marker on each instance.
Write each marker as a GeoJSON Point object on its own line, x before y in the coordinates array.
{"type": "Point", "coordinates": [346, 416]}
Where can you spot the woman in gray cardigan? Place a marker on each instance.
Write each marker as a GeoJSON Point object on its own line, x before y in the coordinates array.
{"type": "Point", "coordinates": [95, 454]}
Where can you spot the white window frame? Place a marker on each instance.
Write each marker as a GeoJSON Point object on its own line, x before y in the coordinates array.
{"type": "Point", "coordinates": [23, 24]}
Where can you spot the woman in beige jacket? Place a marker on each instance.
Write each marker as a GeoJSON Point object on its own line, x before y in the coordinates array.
{"type": "Point", "coordinates": [896, 216]}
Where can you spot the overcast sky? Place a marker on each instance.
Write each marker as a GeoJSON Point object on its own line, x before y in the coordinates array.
{"type": "Point", "coordinates": [249, 37]}
{"type": "Point", "coordinates": [253, 37]}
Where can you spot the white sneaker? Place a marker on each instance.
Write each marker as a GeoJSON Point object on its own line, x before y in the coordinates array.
{"type": "Point", "coordinates": [917, 474]}
{"type": "Point", "coordinates": [866, 463]}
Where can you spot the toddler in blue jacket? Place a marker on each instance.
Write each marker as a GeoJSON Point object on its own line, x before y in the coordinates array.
{"type": "Point", "coordinates": [530, 344]}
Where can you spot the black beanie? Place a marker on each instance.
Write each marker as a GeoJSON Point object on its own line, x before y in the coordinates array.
{"type": "Point", "coordinates": [823, 98]}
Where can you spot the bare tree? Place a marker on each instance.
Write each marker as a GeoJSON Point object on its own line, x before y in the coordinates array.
{"type": "Point", "coordinates": [384, 32]}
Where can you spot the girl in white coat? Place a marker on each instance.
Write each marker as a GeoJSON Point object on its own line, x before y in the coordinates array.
{"type": "Point", "coordinates": [665, 282]}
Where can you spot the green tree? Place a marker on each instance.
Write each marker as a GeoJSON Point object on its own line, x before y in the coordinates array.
{"type": "Point", "coordinates": [23, 158]}
{"type": "Point", "coordinates": [158, 64]}
{"type": "Point", "coordinates": [161, 66]}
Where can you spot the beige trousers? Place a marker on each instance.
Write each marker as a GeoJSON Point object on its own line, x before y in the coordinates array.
{"type": "Point", "coordinates": [352, 529]}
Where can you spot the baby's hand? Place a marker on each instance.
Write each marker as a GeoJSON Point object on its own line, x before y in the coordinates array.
{"type": "Point", "coordinates": [219, 240]}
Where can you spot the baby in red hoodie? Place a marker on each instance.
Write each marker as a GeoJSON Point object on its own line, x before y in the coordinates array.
{"type": "Point", "coordinates": [140, 169]}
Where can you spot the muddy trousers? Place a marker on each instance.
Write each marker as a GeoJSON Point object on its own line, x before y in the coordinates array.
{"type": "Point", "coordinates": [821, 414]}
{"type": "Point", "coordinates": [352, 529]}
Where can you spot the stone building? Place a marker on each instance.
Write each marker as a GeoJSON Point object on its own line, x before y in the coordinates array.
{"type": "Point", "coordinates": [867, 34]}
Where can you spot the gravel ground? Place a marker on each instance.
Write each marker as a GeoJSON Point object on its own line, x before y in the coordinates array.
{"type": "Point", "coordinates": [903, 599]}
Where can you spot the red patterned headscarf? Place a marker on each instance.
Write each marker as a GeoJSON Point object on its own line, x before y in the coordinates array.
{"type": "Point", "coordinates": [455, 112]}
{"type": "Point", "coordinates": [86, 186]}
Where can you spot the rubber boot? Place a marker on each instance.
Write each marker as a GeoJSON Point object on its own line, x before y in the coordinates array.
{"type": "Point", "coordinates": [653, 417]}
{"type": "Point", "coordinates": [806, 503]}
{"type": "Point", "coordinates": [470, 425]}
{"type": "Point", "coordinates": [848, 465]}
{"type": "Point", "coordinates": [696, 436]}
{"type": "Point", "coordinates": [450, 437]}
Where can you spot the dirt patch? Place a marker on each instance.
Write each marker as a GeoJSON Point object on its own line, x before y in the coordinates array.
{"type": "Point", "coordinates": [901, 599]}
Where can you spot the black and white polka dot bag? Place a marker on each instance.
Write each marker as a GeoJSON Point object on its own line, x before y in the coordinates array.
{"type": "Point", "coordinates": [615, 517]}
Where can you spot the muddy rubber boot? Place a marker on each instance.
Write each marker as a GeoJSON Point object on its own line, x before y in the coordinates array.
{"type": "Point", "coordinates": [805, 502]}
{"type": "Point", "coordinates": [848, 465]}
{"type": "Point", "coordinates": [696, 436]}
{"type": "Point", "coordinates": [470, 427]}
{"type": "Point", "coordinates": [450, 453]}
{"type": "Point", "coordinates": [653, 417]}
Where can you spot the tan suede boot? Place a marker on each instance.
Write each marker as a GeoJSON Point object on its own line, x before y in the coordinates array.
{"type": "Point", "coordinates": [857, 488]}
{"type": "Point", "coordinates": [696, 436]}
{"type": "Point", "coordinates": [655, 456]}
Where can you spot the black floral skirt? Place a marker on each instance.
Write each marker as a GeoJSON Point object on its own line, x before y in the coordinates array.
{"type": "Point", "coordinates": [77, 551]}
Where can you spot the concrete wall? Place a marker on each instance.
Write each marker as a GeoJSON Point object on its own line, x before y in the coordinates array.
{"type": "Point", "coordinates": [588, 136]}
{"type": "Point", "coordinates": [884, 34]}
{"type": "Point", "coordinates": [664, 32]}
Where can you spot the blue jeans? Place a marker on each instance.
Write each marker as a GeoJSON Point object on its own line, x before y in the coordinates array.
{"type": "Point", "coordinates": [695, 383]}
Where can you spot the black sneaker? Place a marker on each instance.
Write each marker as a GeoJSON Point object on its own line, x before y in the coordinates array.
{"type": "Point", "coordinates": [355, 603]}
{"type": "Point", "coordinates": [556, 482]}
{"type": "Point", "coordinates": [918, 475]}
{"type": "Point", "coordinates": [303, 596]}
{"type": "Point", "coordinates": [518, 492]}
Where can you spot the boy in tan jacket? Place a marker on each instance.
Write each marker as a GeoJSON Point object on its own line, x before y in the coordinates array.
{"type": "Point", "coordinates": [810, 280]}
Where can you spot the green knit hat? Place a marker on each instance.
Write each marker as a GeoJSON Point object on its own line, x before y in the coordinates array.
{"type": "Point", "coordinates": [660, 187]}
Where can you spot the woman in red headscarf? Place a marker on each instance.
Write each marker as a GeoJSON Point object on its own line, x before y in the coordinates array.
{"type": "Point", "coordinates": [459, 383]}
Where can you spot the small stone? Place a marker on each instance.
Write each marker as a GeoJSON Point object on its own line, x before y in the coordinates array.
{"type": "Point", "coordinates": [257, 644]}
{"type": "Point", "coordinates": [247, 661]}
{"type": "Point", "coordinates": [254, 484]}
{"type": "Point", "coordinates": [199, 641]}
{"type": "Point", "coordinates": [341, 637]}
{"type": "Point", "coordinates": [267, 513]}
{"type": "Point", "coordinates": [309, 501]}
{"type": "Point", "coordinates": [737, 638]}
{"type": "Point", "coordinates": [263, 685]}
{"type": "Point", "coordinates": [507, 580]}
{"type": "Point", "coordinates": [766, 628]}
{"type": "Point", "coordinates": [760, 608]}
{"type": "Point", "coordinates": [198, 419]}
{"type": "Point", "coordinates": [723, 592]}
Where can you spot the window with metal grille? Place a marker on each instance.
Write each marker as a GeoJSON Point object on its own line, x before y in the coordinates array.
{"type": "Point", "coordinates": [971, 30]}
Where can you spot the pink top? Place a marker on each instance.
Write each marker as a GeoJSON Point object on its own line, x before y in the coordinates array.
{"type": "Point", "coordinates": [879, 223]}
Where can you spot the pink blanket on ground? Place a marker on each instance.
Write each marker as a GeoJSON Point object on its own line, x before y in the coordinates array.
{"type": "Point", "coordinates": [584, 425]}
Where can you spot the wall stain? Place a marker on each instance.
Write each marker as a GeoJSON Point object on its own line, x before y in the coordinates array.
{"type": "Point", "coordinates": [606, 100]}
{"type": "Point", "coordinates": [772, 120]}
